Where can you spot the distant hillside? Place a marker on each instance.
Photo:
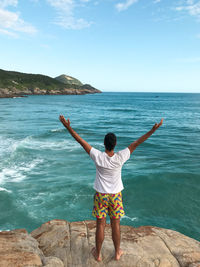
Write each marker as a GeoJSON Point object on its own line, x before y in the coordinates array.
{"type": "Point", "coordinates": [17, 84]}
{"type": "Point", "coordinates": [21, 80]}
{"type": "Point", "coordinates": [68, 80]}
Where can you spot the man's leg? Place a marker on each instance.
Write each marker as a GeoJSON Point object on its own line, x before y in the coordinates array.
{"type": "Point", "coordinates": [115, 224]}
{"type": "Point", "coordinates": [100, 227]}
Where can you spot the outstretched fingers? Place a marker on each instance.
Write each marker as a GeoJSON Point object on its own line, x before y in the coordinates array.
{"type": "Point", "coordinates": [61, 117]}
{"type": "Point", "coordinates": [157, 125]}
{"type": "Point", "coordinates": [161, 122]}
{"type": "Point", "coordinates": [63, 120]}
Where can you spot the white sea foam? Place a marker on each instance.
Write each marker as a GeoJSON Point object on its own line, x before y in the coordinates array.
{"type": "Point", "coordinates": [8, 174]}
{"type": "Point", "coordinates": [7, 145]}
{"type": "Point", "coordinates": [17, 173]}
{"type": "Point", "coordinates": [4, 189]}
{"type": "Point", "coordinates": [56, 130]}
{"type": "Point", "coordinates": [33, 143]}
{"type": "Point", "coordinates": [129, 218]}
{"type": "Point", "coordinates": [42, 193]}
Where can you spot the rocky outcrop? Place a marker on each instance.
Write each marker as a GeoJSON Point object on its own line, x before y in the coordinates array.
{"type": "Point", "coordinates": [59, 243]}
{"type": "Point", "coordinates": [16, 84]}
{"type": "Point", "coordinates": [13, 92]}
{"type": "Point", "coordinates": [18, 248]}
{"type": "Point", "coordinates": [66, 79]}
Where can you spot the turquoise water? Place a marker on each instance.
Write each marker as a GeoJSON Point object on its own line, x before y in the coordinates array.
{"type": "Point", "coordinates": [45, 174]}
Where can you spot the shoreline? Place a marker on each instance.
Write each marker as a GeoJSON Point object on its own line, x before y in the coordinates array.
{"type": "Point", "coordinates": [26, 95]}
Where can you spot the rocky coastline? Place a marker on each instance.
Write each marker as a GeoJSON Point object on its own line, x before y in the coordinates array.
{"type": "Point", "coordinates": [59, 243]}
{"type": "Point", "coordinates": [17, 84]}
{"type": "Point", "coordinates": [14, 92]}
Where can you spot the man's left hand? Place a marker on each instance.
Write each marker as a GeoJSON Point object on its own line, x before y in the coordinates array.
{"type": "Point", "coordinates": [65, 122]}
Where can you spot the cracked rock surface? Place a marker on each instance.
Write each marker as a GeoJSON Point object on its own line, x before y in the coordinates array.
{"type": "Point", "coordinates": [58, 243]}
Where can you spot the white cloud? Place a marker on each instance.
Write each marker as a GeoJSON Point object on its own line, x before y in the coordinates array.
{"type": "Point", "coordinates": [65, 14]}
{"type": "Point", "coordinates": [5, 3]}
{"type": "Point", "coordinates": [156, 1]}
{"type": "Point", "coordinates": [62, 5]}
{"type": "Point", "coordinates": [192, 8]}
{"type": "Point", "coordinates": [125, 5]}
{"type": "Point", "coordinates": [5, 32]}
{"type": "Point", "coordinates": [190, 2]}
{"type": "Point", "coordinates": [11, 23]}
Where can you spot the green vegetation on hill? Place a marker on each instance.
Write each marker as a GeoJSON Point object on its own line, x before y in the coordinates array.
{"type": "Point", "coordinates": [66, 79]}
{"type": "Point", "coordinates": [22, 80]}
{"type": "Point", "coordinates": [12, 83]}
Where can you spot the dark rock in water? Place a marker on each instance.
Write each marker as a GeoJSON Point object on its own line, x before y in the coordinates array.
{"type": "Point", "coordinates": [58, 243]}
{"type": "Point", "coordinates": [12, 96]}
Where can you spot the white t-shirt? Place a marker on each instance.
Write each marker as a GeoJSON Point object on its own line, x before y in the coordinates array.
{"type": "Point", "coordinates": [108, 170]}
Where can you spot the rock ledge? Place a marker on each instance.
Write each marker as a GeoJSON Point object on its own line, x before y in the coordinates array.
{"type": "Point", "coordinates": [59, 243]}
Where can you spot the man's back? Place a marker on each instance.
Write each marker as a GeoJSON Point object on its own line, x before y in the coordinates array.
{"type": "Point", "coordinates": [108, 170]}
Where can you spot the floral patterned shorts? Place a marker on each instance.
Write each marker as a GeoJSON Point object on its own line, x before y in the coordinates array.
{"type": "Point", "coordinates": [110, 204]}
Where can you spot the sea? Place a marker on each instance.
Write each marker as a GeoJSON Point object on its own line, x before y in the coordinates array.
{"type": "Point", "coordinates": [45, 174]}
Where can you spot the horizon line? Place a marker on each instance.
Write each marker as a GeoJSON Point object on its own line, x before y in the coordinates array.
{"type": "Point", "coordinates": [151, 92]}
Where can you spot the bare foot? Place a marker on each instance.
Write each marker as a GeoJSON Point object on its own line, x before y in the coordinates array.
{"type": "Point", "coordinates": [94, 253]}
{"type": "Point", "coordinates": [118, 255]}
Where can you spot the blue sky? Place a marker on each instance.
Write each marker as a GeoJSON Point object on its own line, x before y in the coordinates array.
{"type": "Point", "coordinates": [115, 45]}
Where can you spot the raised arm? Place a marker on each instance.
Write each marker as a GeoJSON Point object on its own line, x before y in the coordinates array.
{"type": "Point", "coordinates": [139, 141]}
{"type": "Point", "coordinates": [77, 137]}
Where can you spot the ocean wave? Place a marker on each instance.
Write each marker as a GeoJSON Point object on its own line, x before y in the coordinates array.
{"type": "Point", "coordinates": [31, 142]}
{"type": "Point", "coordinates": [7, 145]}
{"type": "Point", "coordinates": [4, 189]}
{"type": "Point", "coordinates": [56, 130]}
{"type": "Point", "coordinates": [129, 218]}
{"type": "Point", "coordinates": [18, 173]}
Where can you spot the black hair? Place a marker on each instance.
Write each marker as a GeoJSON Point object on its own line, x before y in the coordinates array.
{"type": "Point", "coordinates": [110, 140]}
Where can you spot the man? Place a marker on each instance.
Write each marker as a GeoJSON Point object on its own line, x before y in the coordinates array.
{"type": "Point", "coordinates": [108, 184]}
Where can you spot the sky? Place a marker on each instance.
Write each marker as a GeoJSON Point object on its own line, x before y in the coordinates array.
{"type": "Point", "coordinates": [114, 45]}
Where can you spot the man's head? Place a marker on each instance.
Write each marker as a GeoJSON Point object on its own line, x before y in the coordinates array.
{"type": "Point", "coordinates": [110, 141]}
